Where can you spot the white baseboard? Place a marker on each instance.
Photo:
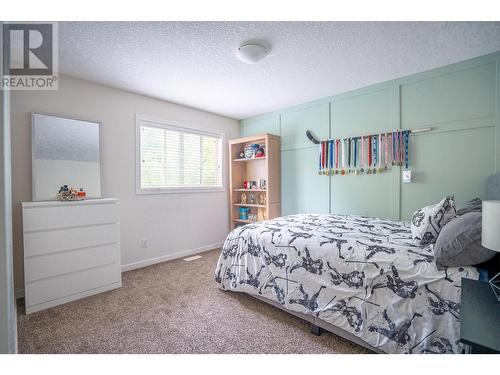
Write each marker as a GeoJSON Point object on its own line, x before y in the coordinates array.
{"type": "Point", "coordinates": [164, 258]}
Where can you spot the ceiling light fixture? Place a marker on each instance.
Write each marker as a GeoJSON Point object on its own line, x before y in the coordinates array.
{"type": "Point", "coordinates": [252, 52]}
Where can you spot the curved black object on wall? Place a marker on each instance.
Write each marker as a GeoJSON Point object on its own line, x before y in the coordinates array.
{"type": "Point", "coordinates": [312, 137]}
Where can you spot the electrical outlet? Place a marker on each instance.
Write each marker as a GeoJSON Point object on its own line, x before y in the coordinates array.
{"type": "Point", "coordinates": [145, 243]}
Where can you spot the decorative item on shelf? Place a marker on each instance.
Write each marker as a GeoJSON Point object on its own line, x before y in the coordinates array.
{"type": "Point", "coordinates": [251, 198]}
{"type": "Point", "coordinates": [260, 152]}
{"type": "Point", "coordinates": [251, 150]}
{"type": "Point", "coordinates": [490, 236]}
{"type": "Point", "coordinates": [346, 156]}
{"type": "Point", "coordinates": [247, 184]}
{"type": "Point", "coordinates": [71, 194]}
{"type": "Point", "coordinates": [244, 213]}
{"type": "Point", "coordinates": [243, 198]}
{"type": "Point", "coordinates": [253, 185]}
{"type": "Point", "coordinates": [262, 199]}
{"type": "Point", "coordinates": [262, 184]}
{"type": "Point", "coordinates": [82, 194]}
{"type": "Point", "coordinates": [252, 217]}
{"type": "Point", "coordinates": [241, 155]}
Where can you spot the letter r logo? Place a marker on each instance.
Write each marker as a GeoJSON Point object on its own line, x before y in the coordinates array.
{"type": "Point", "coordinates": [27, 49]}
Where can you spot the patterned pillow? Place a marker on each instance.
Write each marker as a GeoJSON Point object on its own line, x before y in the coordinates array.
{"type": "Point", "coordinates": [426, 223]}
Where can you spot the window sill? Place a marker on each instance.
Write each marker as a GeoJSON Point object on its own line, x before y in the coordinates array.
{"type": "Point", "coordinates": [179, 190]}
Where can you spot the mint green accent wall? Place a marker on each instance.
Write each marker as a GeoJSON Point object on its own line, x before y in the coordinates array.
{"type": "Point", "coordinates": [460, 102]}
{"type": "Point", "coordinates": [262, 124]}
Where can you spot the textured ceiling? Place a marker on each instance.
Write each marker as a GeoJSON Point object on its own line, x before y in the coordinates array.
{"type": "Point", "coordinates": [193, 63]}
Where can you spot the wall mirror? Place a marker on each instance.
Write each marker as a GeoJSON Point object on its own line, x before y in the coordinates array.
{"type": "Point", "coordinates": [64, 151]}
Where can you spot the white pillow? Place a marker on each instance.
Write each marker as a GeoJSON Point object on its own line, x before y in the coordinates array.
{"type": "Point", "coordinates": [426, 223]}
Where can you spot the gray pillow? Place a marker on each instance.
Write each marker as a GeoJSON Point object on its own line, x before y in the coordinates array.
{"type": "Point", "coordinates": [474, 205]}
{"type": "Point", "coordinates": [459, 243]}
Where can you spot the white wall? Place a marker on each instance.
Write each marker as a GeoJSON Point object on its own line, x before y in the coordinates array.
{"type": "Point", "coordinates": [173, 223]}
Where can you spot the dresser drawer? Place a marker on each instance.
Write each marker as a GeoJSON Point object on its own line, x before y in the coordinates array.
{"type": "Point", "coordinates": [56, 264]}
{"type": "Point", "coordinates": [47, 242]}
{"type": "Point", "coordinates": [71, 214]}
{"type": "Point", "coordinates": [59, 287]}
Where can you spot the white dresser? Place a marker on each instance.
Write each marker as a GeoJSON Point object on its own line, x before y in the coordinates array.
{"type": "Point", "coordinates": [71, 250]}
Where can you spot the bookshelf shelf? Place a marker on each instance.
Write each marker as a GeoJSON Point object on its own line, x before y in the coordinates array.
{"type": "Point", "coordinates": [250, 205]}
{"type": "Point", "coordinates": [249, 160]}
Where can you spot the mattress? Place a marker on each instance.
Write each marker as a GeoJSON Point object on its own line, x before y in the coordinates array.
{"type": "Point", "coordinates": [363, 275]}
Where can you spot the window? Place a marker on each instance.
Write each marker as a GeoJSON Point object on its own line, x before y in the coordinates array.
{"type": "Point", "coordinates": [174, 158]}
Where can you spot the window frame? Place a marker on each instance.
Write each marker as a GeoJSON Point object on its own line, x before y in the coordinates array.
{"type": "Point", "coordinates": [177, 126]}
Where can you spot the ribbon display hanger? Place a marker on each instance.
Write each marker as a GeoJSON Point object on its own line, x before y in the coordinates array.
{"type": "Point", "coordinates": [347, 155]}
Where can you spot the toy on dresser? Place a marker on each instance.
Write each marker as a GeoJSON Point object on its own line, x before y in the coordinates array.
{"type": "Point", "coordinates": [71, 194]}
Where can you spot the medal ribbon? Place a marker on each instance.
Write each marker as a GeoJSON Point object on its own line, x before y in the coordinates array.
{"type": "Point", "coordinates": [349, 153]}
{"type": "Point", "coordinates": [327, 157]}
{"type": "Point", "coordinates": [386, 151]}
{"type": "Point", "coordinates": [337, 154]}
{"type": "Point", "coordinates": [331, 155]}
{"type": "Point", "coordinates": [379, 158]}
{"type": "Point", "coordinates": [343, 154]}
{"type": "Point", "coordinates": [397, 148]}
{"type": "Point", "coordinates": [369, 152]}
{"type": "Point", "coordinates": [355, 152]}
{"type": "Point", "coordinates": [394, 148]}
{"type": "Point", "coordinates": [362, 152]}
{"type": "Point", "coordinates": [402, 148]}
{"type": "Point", "coordinates": [322, 155]}
{"type": "Point", "coordinates": [375, 153]}
{"type": "Point", "coordinates": [407, 144]}
{"type": "Point", "coordinates": [319, 153]}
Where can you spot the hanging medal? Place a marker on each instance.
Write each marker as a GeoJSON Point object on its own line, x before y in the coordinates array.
{"type": "Point", "coordinates": [330, 157]}
{"type": "Point", "coordinates": [327, 159]}
{"type": "Point", "coordinates": [319, 158]}
{"type": "Point", "coordinates": [393, 153]}
{"type": "Point", "coordinates": [355, 155]}
{"type": "Point", "coordinates": [342, 154]}
{"type": "Point", "coordinates": [402, 147]}
{"type": "Point", "coordinates": [380, 149]}
{"type": "Point", "coordinates": [386, 151]}
{"type": "Point", "coordinates": [337, 156]}
{"type": "Point", "coordinates": [369, 155]}
{"type": "Point", "coordinates": [396, 139]}
{"type": "Point", "coordinates": [348, 155]}
{"type": "Point", "coordinates": [374, 158]}
{"type": "Point", "coordinates": [362, 154]}
{"type": "Point", "coordinates": [324, 157]}
{"type": "Point", "coordinates": [407, 145]}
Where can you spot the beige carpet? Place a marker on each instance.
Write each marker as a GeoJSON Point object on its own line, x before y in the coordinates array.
{"type": "Point", "coordinates": [172, 307]}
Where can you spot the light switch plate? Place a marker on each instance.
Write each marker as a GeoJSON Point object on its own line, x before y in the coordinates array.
{"type": "Point", "coordinates": [406, 177]}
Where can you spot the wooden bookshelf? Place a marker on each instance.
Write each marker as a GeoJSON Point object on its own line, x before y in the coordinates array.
{"type": "Point", "coordinates": [267, 167]}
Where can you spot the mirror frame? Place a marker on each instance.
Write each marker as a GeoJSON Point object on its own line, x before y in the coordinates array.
{"type": "Point", "coordinates": [33, 174]}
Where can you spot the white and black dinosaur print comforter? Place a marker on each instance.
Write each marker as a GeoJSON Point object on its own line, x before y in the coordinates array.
{"type": "Point", "coordinates": [361, 274]}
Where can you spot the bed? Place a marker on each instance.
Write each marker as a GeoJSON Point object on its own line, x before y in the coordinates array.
{"type": "Point", "coordinates": [359, 277]}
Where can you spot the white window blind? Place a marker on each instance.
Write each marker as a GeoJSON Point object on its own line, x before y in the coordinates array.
{"type": "Point", "coordinates": [174, 158]}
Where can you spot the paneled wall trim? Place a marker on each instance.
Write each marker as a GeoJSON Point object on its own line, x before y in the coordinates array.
{"type": "Point", "coordinates": [459, 101]}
